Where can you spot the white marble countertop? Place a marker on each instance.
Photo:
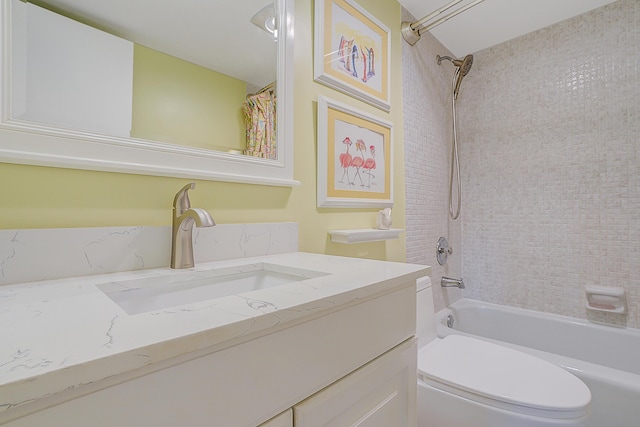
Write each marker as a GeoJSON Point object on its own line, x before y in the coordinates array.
{"type": "Point", "coordinates": [58, 335]}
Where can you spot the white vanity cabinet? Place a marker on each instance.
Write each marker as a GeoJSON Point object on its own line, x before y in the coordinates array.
{"type": "Point", "coordinates": [285, 419]}
{"type": "Point", "coordinates": [380, 394]}
{"type": "Point", "coordinates": [351, 364]}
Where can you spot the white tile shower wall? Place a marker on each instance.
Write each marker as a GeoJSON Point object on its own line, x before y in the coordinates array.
{"type": "Point", "coordinates": [427, 132]}
{"type": "Point", "coordinates": [550, 154]}
{"type": "Point", "coordinates": [42, 254]}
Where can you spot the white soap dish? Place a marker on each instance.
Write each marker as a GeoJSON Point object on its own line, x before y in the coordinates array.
{"type": "Point", "coordinates": [610, 300]}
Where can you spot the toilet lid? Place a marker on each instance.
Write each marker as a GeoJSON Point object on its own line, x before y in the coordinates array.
{"type": "Point", "coordinates": [502, 377]}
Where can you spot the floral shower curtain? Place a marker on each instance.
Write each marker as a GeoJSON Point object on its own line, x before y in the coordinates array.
{"type": "Point", "coordinates": [260, 120]}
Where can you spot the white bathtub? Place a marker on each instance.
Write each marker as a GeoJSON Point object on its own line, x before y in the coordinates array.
{"type": "Point", "coordinates": [606, 358]}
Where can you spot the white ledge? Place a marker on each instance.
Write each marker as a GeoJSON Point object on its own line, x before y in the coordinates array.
{"type": "Point", "coordinates": [363, 235]}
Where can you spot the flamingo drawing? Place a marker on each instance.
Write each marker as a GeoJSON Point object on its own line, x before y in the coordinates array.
{"type": "Point", "coordinates": [345, 159]}
{"type": "Point", "coordinates": [358, 161]}
{"type": "Point", "coordinates": [370, 164]}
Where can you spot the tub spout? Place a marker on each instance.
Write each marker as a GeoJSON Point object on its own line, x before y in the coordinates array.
{"type": "Point", "coordinates": [184, 218]}
{"type": "Point", "coordinates": [448, 282]}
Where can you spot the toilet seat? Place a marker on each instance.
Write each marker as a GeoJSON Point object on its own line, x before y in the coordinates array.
{"type": "Point", "coordinates": [501, 377]}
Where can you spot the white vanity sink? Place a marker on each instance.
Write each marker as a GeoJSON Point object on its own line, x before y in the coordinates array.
{"type": "Point", "coordinates": [179, 287]}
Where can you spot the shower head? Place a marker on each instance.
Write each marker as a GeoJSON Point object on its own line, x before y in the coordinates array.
{"type": "Point", "coordinates": [463, 66]}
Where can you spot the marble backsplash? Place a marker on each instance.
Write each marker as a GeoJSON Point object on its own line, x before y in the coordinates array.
{"type": "Point", "coordinates": [43, 254]}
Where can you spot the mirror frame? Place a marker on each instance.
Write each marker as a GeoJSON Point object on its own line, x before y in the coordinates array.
{"type": "Point", "coordinates": [29, 143]}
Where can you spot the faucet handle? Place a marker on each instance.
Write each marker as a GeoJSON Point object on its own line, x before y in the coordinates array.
{"type": "Point", "coordinates": [181, 202]}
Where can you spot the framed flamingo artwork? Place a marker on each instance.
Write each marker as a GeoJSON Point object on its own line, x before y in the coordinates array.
{"type": "Point", "coordinates": [352, 51]}
{"type": "Point", "coordinates": [354, 157]}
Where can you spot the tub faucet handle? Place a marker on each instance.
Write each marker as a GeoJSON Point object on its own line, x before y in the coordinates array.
{"type": "Point", "coordinates": [447, 250]}
{"type": "Point", "coordinates": [443, 250]}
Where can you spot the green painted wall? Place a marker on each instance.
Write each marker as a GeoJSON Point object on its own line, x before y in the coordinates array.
{"type": "Point", "coordinates": [182, 103]}
{"type": "Point", "coordinates": [41, 197]}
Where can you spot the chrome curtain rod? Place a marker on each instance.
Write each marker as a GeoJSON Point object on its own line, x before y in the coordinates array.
{"type": "Point", "coordinates": [411, 30]}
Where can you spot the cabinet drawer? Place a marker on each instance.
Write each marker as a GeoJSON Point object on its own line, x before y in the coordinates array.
{"type": "Point", "coordinates": [380, 394]}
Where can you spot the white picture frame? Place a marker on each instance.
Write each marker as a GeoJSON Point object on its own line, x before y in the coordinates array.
{"type": "Point", "coordinates": [352, 52]}
{"type": "Point", "coordinates": [355, 157]}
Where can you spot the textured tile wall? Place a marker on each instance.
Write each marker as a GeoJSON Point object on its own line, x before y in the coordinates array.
{"type": "Point", "coordinates": [427, 132]}
{"type": "Point", "coordinates": [550, 152]}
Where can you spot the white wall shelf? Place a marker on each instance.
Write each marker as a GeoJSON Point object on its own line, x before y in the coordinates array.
{"type": "Point", "coordinates": [362, 235]}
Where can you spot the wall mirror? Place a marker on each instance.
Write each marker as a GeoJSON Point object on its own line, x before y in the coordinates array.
{"type": "Point", "coordinates": [143, 109]}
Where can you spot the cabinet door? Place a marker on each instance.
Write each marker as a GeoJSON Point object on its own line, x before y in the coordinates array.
{"type": "Point", "coordinates": [380, 394]}
{"type": "Point", "coordinates": [285, 419]}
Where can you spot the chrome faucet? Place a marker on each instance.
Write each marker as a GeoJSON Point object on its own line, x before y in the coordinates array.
{"type": "Point", "coordinates": [184, 217]}
{"type": "Point", "coordinates": [448, 282]}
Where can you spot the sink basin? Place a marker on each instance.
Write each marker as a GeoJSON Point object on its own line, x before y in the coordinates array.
{"type": "Point", "coordinates": [175, 288]}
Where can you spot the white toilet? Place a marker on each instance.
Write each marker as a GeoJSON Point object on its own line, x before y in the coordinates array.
{"type": "Point", "coordinates": [464, 381]}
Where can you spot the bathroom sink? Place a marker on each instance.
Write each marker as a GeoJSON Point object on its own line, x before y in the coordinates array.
{"type": "Point", "coordinates": [177, 287]}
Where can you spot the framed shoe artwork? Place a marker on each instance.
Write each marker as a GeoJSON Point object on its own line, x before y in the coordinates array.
{"type": "Point", "coordinates": [352, 50]}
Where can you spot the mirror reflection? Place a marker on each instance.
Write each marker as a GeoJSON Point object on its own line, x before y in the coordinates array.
{"type": "Point", "coordinates": [108, 68]}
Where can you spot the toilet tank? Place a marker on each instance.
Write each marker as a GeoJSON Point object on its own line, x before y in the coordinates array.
{"type": "Point", "coordinates": [425, 314]}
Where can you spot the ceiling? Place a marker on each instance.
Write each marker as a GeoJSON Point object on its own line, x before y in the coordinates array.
{"type": "Point", "coordinates": [216, 34]}
{"type": "Point", "coordinates": [495, 21]}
